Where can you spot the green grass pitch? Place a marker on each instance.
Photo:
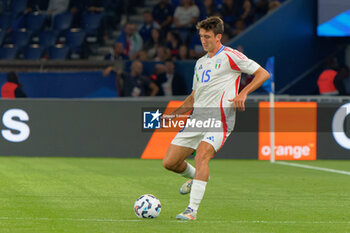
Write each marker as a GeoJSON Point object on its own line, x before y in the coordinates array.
{"type": "Point", "coordinates": [97, 195]}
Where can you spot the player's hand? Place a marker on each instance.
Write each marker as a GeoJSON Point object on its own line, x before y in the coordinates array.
{"type": "Point", "coordinates": [239, 101]}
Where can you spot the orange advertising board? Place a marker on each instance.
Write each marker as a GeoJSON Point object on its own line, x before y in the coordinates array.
{"type": "Point", "coordinates": [295, 130]}
{"type": "Point", "coordinates": [161, 138]}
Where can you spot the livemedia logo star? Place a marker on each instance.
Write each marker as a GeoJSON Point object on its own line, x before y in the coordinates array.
{"type": "Point", "coordinates": [151, 120]}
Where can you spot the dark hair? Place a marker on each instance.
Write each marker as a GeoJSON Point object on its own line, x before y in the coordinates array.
{"type": "Point", "coordinates": [213, 23]}
{"type": "Point", "coordinates": [12, 77]}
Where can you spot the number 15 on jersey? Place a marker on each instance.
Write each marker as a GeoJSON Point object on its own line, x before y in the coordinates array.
{"type": "Point", "coordinates": [205, 76]}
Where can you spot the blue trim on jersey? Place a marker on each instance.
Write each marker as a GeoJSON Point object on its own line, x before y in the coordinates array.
{"type": "Point", "coordinates": [219, 51]}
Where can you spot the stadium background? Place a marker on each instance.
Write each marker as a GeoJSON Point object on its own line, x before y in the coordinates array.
{"type": "Point", "coordinates": [70, 152]}
{"type": "Point", "coordinates": [60, 90]}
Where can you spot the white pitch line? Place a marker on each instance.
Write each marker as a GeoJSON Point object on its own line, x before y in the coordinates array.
{"type": "Point", "coordinates": [71, 219]}
{"type": "Point", "coordinates": [173, 221]}
{"type": "Point", "coordinates": [314, 168]}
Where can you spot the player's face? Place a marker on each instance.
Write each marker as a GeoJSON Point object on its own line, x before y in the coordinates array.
{"type": "Point", "coordinates": [209, 40]}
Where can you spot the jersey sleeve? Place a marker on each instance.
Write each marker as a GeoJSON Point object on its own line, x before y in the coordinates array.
{"type": "Point", "coordinates": [238, 61]}
{"type": "Point", "coordinates": [195, 78]}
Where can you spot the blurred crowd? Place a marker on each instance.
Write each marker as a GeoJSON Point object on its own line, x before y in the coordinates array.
{"type": "Point", "coordinates": [74, 29]}
{"type": "Point", "coordinates": [168, 31]}
{"type": "Point", "coordinates": [61, 29]}
{"type": "Point", "coordinates": [168, 34]}
{"type": "Point", "coordinates": [334, 79]}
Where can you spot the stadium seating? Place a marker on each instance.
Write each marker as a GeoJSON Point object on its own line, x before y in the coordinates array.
{"type": "Point", "coordinates": [8, 51]}
{"type": "Point", "coordinates": [21, 37]}
{"type": "Point", "coordinates": [91, 22]}
{"type": "Point", "coordinates": [5, 21]}
{"type": "Point", "coordinates": [33, 52]}
{"type": "Point", "coordinates": [62, 22]}
{"type": "Point", "coordinates": [75, 38]}
{"type": "Point", "coordinates": [2, 36]}
{"type": "Point", "coordinates": [34, 22]}
{"type": "Point", "coordinates": [58, 52]}
{"type": "Point", "coordinates": [96, 30]}
{"type": "Point", "coordinates": [47, 38]}
{"type": "Point", "coordinates": [17, 6]}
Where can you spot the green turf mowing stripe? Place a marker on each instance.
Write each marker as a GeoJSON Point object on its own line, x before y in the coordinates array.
{"type": "Point", "coordinates": [145, 220]}
{"type": "Point", "coordinates": [90, 195]}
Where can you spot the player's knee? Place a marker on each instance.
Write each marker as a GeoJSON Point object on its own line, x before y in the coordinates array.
{"type": "Point", "coordinates": [169, 165]}
{"type": "Point", "coordinates": [166, 164]}
{"type": "Point", "coordinates": [201, 159]}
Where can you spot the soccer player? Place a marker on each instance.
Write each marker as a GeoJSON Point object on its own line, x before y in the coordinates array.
{"type": "Point", "coordinates": [215, 84]}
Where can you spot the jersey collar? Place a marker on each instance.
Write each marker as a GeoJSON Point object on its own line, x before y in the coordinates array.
{"type": "Point", "coordinates": [219, 51]}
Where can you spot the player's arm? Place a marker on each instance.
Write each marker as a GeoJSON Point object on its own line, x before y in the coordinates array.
{"type": "Point", "coordinates": [261, 75]}
{"type": "Point", "coordinates": [186, 106]}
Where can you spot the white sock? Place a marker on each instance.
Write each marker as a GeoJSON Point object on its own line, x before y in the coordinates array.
{"type": "Point", "coordinates": [197, 193]}
{"type": "Point", "coordinates": [189, 171]}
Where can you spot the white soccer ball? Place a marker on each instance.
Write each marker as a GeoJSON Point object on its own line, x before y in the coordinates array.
{"type": "Point", "coordinates": [147, 206]}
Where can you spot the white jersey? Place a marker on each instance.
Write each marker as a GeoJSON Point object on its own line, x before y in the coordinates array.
{"type": "Point", "coordinates": [217, 79]}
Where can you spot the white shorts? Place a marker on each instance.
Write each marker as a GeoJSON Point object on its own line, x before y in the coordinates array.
{"type": "Point", "coordinates": [214, 135]}
{"type": "Point", "coordinates": [193, 139]}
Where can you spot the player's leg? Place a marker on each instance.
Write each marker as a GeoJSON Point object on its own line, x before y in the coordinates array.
{"type": "Point", "coordinates": [174, 160]}
{"type": "Point", "coordinates": [205, 152]}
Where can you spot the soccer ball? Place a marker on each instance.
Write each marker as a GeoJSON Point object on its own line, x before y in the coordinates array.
{"type": "Point", "coordinates": [147, 206]}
